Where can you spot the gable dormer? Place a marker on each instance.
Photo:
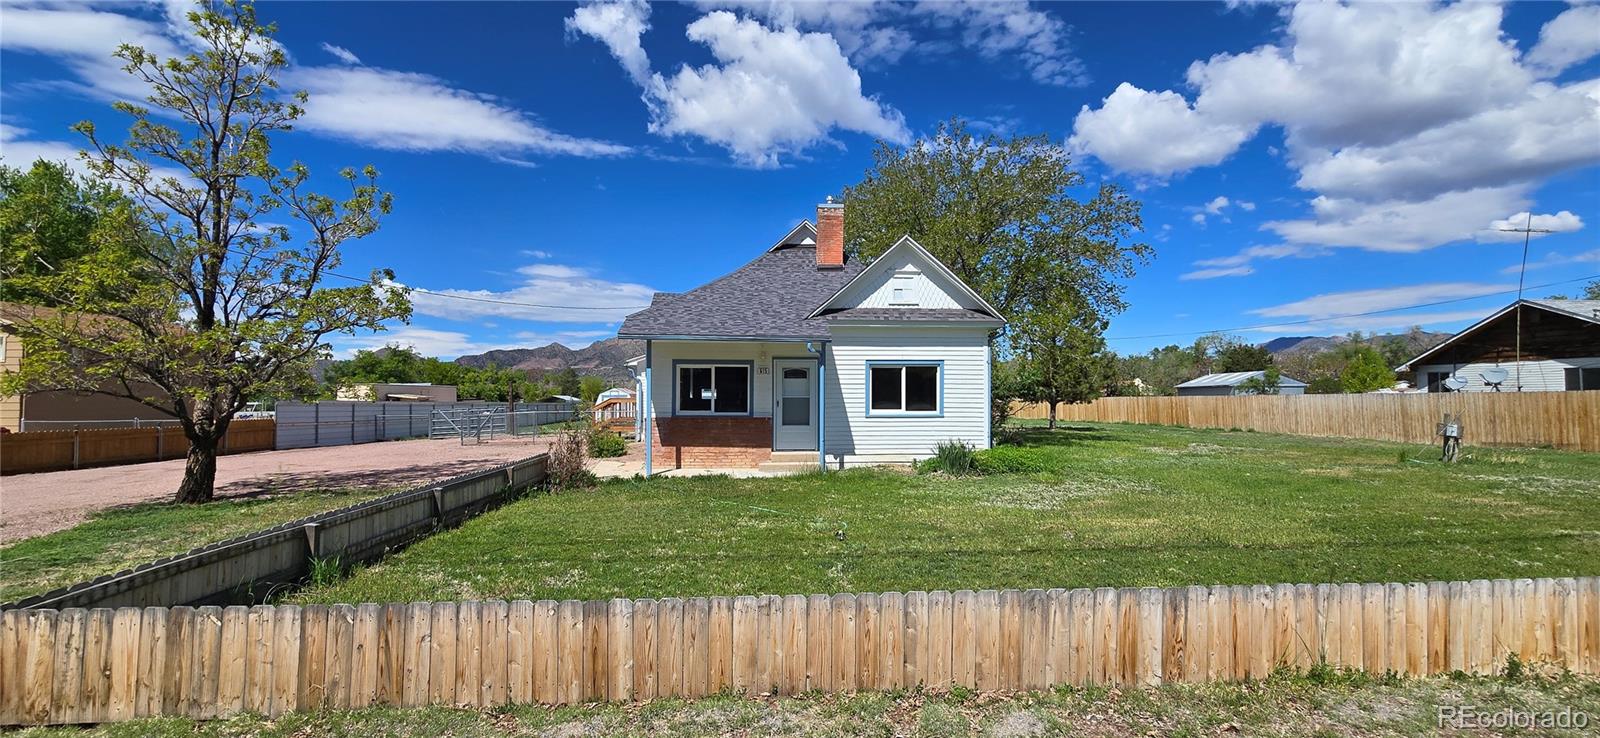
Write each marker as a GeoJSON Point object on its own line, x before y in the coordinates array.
{"type": "Point", "coordinates": [907, 277]}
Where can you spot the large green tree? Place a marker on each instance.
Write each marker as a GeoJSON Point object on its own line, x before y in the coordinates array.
{"type": "Point", "coordinates": [49, 216]}
{"type": "Point", "coordinates": [1011, 217]}
{"type": "Point", "coordinates": [1366, 371]}
{"type": "Point", "coordinates": [1242, 357]}
{"type": "Point", "coordinates": [226, 307]}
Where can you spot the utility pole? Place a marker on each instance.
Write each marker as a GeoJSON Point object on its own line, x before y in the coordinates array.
{"type": "Point", "coordinates": [1527, 235]}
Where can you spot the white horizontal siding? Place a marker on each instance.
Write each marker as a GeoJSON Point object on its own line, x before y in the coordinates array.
{"type": "Point", "coordinates": [664, 353]}
{"type": "Point", "coordinates": [1548, 375]}
{"type": "Point", "coordinates": [965, 400]}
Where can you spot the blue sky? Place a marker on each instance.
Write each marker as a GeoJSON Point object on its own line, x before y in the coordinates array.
{"type": "Point", "coordinates": [1295, 162]}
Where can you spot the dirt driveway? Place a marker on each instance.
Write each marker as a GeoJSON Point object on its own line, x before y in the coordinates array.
{"type": "Point", "coordinates": [35, 504]}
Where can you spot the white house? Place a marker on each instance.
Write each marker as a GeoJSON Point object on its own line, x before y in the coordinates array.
{"type": "Point", "coordinates": [805, 356]}
{"type": "Point", "coordinates": [1559, 351]}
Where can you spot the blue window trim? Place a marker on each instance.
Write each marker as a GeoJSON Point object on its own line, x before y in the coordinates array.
{"type": "Point", "coordinates": [867, 384]}
{"type": "Point", "coordinates": [750, 387]}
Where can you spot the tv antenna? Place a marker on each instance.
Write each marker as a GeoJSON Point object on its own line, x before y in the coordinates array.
{"type": "Point", "coordinates": [1527, 235]}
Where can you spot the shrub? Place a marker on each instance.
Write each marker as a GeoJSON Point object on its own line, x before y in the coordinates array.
{"type": "Point", "coordinates": [951, 457]}
{"type": "Point", "coordinates": [604, 444]}
{"type": "Point", "coordinates": [1009, 460]}
{"type": "Point", "coordinates": [568, 459]}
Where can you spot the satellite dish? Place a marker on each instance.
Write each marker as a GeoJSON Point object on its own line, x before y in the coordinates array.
{"type": "Point", "coordinates": [1454, 383]}
{"type": "Point", "coordinates": [1495, 377]}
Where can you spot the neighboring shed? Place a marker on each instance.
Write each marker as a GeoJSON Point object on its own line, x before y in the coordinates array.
{"type": "Point", "coordinates": [1227, 383]}
{"type": "Point", "coordinates": [396, 392]}
{"type": "Point", "coordinates": [560, 398]}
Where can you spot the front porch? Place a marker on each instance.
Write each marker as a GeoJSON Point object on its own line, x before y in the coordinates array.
{"type": "Point", "coordinates": [734, 404]}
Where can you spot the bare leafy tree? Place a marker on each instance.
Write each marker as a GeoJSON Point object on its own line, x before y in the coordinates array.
{"type": "Point", "coordinates": [195, 299]}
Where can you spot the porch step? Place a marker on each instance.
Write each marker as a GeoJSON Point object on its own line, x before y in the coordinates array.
{"type": "Point", "coordinates": [794, 457]}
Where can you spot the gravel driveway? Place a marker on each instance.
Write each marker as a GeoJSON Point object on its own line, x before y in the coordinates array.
{"type": "Point", "coordinates": [35, 504]}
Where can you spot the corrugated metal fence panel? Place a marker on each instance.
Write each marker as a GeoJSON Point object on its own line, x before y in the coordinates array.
{"type": "Point", "coordinates": [340, 423]}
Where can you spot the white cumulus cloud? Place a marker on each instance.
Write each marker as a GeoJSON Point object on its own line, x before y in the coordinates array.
{"type": "Point", "coordinates": [1567, 39]}
{"type": "Point", "coordinates": [1508, 229]}
{"type": "Point", "coordinates": [1406, 121]}
{"type": "Point", "coordinates": [772, 92]}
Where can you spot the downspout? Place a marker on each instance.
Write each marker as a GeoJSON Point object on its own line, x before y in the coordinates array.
{"type": "Point", "coordinates": [822, 398]}
{"type": "Point", "coordinates": [647, 403]}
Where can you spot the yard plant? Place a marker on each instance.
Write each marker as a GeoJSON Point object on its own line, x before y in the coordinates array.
{"type": "Point", "coordinates": [1083, 506]}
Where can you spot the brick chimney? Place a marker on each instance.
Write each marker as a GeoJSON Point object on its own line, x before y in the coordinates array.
{"type": "Point", "coordinates": [830, 235]}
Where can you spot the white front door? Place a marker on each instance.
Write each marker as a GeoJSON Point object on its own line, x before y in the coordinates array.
{"type": "Point", "coordinates": [794, 405]}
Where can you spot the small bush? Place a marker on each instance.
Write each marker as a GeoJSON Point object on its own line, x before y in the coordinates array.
{"type": "Point", "coordinates": [1009, 460]}
{"type": "Point", "coordinates": [568, 459]}
{"type": "Point", "coordinates": [604, 444]}
{"type": "Point", "coordinates": [951, 457]}
{"type": "Point", "coordinates": [325, 571]}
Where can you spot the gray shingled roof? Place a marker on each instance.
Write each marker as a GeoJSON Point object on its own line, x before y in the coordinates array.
{"type": "Point", "coordinates": [767, 298]}
{"type": "Point", "coordinates": [941, 315]}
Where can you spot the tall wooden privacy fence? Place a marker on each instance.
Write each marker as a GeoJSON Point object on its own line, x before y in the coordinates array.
{"type": "Point", "coordinates": [41, 451]}
{"type": "Point", "coordinates": [252, 566]}
{"type": "Point", "coordinates": [1566, 420]}
{"type": "Point", "coordinates": [103, 665]}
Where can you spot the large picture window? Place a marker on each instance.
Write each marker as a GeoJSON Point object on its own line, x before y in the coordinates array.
{"type": "Point", "coordinates": [903, 388]}
{"type": "Point", "coordinates": [713, 389]}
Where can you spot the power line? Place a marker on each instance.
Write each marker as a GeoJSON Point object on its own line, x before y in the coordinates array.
{"type": "Point", "coordinates": [1517, 291]}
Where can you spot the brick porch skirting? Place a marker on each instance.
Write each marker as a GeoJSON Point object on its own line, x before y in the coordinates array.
{"type": "Point", "coordinates": [736, 442]}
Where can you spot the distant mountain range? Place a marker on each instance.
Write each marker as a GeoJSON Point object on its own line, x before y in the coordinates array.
{"type": "Point", "coordinates": [1420, 341]}
{"type": "Point", "coordinates": [602, 358]}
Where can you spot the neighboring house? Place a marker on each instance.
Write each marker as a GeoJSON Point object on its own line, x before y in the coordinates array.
{"type": "Point", "coordinates": [821, 359]}
{"type": "Point", "coordinates": [397, 392]}
{"type": "Point", "coordinates": [617, 393]}
{"type": "Point", "coordinates": [56, 409]}
{"type": "Point", "coordinates": [1227, 383]}
{"type": "Point", "coordinates": [1560, 350]}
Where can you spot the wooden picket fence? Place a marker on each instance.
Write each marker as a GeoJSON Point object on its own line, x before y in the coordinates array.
{"type": "Point", "coordinates": [77, 666]}
{"type": "Point", "coordinates": [56, 450]}
{"type": "Point", "coordinates": [1565, 420]}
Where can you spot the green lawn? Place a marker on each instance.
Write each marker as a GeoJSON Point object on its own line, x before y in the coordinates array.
{"type": "Point", "coordinates": [1110, 505]}
{"type": "Point", "coordinates": [118, 538]}
{"type": "Point", "coordinates": [1344, 705]}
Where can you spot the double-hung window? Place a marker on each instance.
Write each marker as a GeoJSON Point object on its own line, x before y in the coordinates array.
{"type": "Point", "coordinates": [1582, 378]}
{"type": "Point", "coordinates": [713, 389]}
{"type": "Point", "coordinates": [903, 387]}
